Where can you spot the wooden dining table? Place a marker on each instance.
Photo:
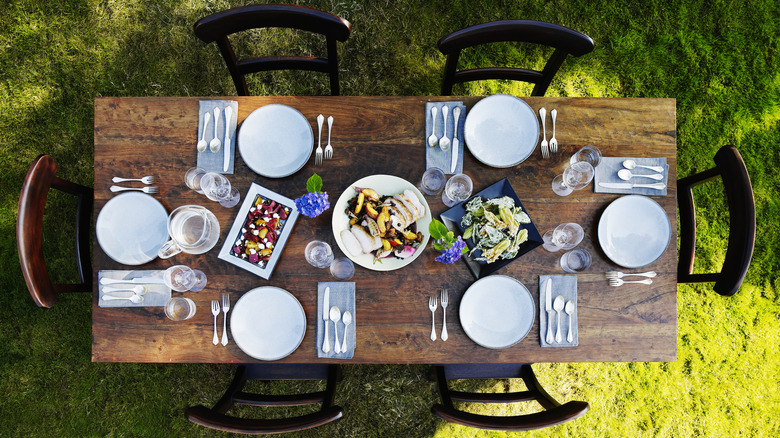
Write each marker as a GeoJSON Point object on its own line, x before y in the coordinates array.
{"type": "Point", "coordinates": [137, 136]}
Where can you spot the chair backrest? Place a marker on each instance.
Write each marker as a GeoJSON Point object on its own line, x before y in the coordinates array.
{"type": "Point", "coordinates": [565, 41]}
{"type": "Point", "coordinates": [217, 27]}
{"type": "Point", "coordinates": [730, 167]}
{"type": "Point", "coordinates": [553, 414]}
{"type": "Point", "coordinates": [216, 417]}
{"type": "Point", "coordinates": [29, 232]}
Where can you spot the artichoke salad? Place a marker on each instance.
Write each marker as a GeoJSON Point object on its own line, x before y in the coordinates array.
{"type": "Point", "coordinates": [494, 225]}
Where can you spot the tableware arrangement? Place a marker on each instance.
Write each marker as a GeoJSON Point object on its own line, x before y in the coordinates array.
{"type": "Point", "coordinates": [132, 217]}
{"type": "Point", "coordinates": [148, 180]}
{"type": "Point", "coordinates": [225, 309]}
{"type": "Point", "coordinates": [618, 274]}
{"type": "Point", "coordinates": [328, 147]}
{"type": "Point", "coordinates": [565, 236]}
{"type": "Point", "coordinates": [242, 246]}
{"type": "Point", "coordinates": [148, 189]}
{"type": "Point", "coordinates": [634, 231]}
{"type": "Point", "coordinates": [501, 131]}
{"type": "Point", "coordinates": [180, 309]}
{"type": "Point", "coordinates": [544, 146]}
{"type": "Point", "coordinates": [192, 229]}
{"type": "Point", "coordinates": [575, 177]}
{"type": "Point", "coordinates": [182, 278]}
{"type": "Point", "coordinates": [457, 189]}
{"type": "Point", "coordinates": [618, 282]}
{"type": "Point", "coordinates": [444, 124]}
{"type": "Point", "coordinates": [275, 141]}
{"type": "Point", "coordinates": [497, 311]}
{"type": "Point", "coordinates": [589, 154]}
{"type": "Point", "coordinates": [445, 300]}
{"type": "Point", "coordinates": [558, 311]}
{"type": "Point", "coordinates": [336, 322]}
{"type": "Point", "coordinates": [553, 140]}
{"type": "Point", "coordinates": [268, 323]}
{"type": "Point", "coordinates": [432, 304]}
{"type": "Point", "coordinates": [612, 176]}
{"type": "Point", "coordinates": [432, 182]}
{"type": "Point", "coordinates": [145, 284]}
{"type": "Point", "coordinates": [216, 141]}
{"type": "Point", "coordinates": [575, 261]}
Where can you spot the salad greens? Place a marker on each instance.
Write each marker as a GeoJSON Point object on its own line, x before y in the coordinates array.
{"type": "Point", "coordinates": [495, 227]}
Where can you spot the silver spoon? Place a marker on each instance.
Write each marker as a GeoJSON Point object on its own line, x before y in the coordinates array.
{"type": "Point", "coordinates": [631, 164]}
{"type": "Point", "coordinates": [444, 143]}
{"type": "Point", "coordinates": [335, 316]}
{"type": "Point", "coordinates": [215, 143]}
{"type": "Point", "coordinates": [569, 310]}
{"type": "Point", "coordinates": [138, 290]}
{"type": "Point", "coordinates": [558, 306]}
{"type": "Point", "coordinates": [432, 139]}
{"type": "Point", "coordinates": [202, 142]}
{"type": "Point", "coordinates": [347, 321]}
{"type": "Point", "coordinates": [626, 175]}
{"type": "Point", "coordinates": [134, 298]}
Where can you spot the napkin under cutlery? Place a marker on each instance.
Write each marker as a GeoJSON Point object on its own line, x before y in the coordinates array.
{"type": "Point", "coordinates": [565, 286]}
{"type": "Point", "coordinates": [342, 295]}
{"type": "Point", "coordinates": [214, 161]}
{"type": "Point", "coordinates": [435, 157]}
{"type": "Point", "coordinates": [157, 294]}
{"type": "Point", "coordinates": [608, 168]}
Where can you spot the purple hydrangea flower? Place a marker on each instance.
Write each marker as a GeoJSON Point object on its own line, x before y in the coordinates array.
{"type": "Point", "coordinates": [313, 204]}
{"type": "Point", "coordinates": [453, 253]}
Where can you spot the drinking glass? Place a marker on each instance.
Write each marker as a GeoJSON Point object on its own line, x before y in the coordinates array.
{"type": "Point", "coordinates": [182, 278]}
{"type": "Point", "coordinates": [432, 181]}
{"type": "Point", "coordinates": [193, 229]}
{"type": "Point", "coordinates": [180, 309]}
{"type": "Point", "coordinates": [342, 268]}
{"type": "Point", "coordinates": [575, 177]}
{"type": "Point", "coordinates": [575, 261]}
{"type": "Point", "coordinates": [565, 236]}
{"type": "Point", "coordinates": [587, 153]}
{"type": "Point", "coordinates": [457, 189]}
{"type": "Point", "coordinates": [232, 199]}
{"type": "Point", "coordinates": [192, 178]}
{"type": "Point", "coordinates": [215, 186]}
{"type": "Point", "coordinates": [319, 254]}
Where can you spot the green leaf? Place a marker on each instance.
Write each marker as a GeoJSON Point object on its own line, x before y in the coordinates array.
{"type": "Point", "coordinates": [438, 246]}
{"type": "Point", "coordinates": [314, 184]}
{"type": "Point", "coordinates": [437, 229]}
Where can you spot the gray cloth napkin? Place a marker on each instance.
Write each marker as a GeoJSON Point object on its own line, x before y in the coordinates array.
{"type": "Point", "coordinates": [213, 161]}
{"type": "Point", "coordinates": [607, 170]}
{"type": "Point", "coordinates": [157, 295]}
{"type": "Point", "coordinates": [342, 295]}
{"type": "Point", "coordinates": [435, 157]}
{"type": "Point", "coordinates": [566, 286]}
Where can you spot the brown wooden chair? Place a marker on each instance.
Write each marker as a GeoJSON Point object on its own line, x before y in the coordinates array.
{"type": "Point", "coordinates": [217, 27]}
{"type": "Point", "coordinates": [565, 41]}
{"type": "Point", "coordinates": [216, 417]}
{"type": "Point", "coordinates": [29, 232]}
{"type": "Point", "coordinates": [730, 167]}
{"type": "Point", "coordinates": [554, 412]}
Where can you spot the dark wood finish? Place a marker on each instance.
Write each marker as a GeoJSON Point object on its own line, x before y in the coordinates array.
{"type": "Point", "coordinates": [373, 135]}
{"type": "Point", "coordinates": [217, 418]}
{"type": "Point", "coordinates": [565, 41]}
{"type": "Point", "coordinates": [29, 232]}
{"type": "Point", "coordinates": [554, 412]}
{"type": "Point", "coordinates": [730, 167]}
{"type": "Point", "coordinates": [217, 27]}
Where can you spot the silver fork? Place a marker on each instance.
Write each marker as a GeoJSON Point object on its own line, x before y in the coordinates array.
{"type": "Point", "coordinates": [618, 274]}
{"type": "Point", "coordinates": [328, 147]}
{"type": "Point", "coordinates": [444, 301]}
{"type": "Point", "coordinates": [149, 189]}
{"type": "Point", "coordinates": [225, 308]}
{"type": "Point", "coordinates": [432, 306]}
{"type": "Point", "coordinates": [215, 312]}
{"type": "Point", "coordinates": [318, 155]}
{"type": "Point", "coordinates": [545, 151]}
{"type": "Point", "coordinates": [146, 180]}
{"type": "Point", "coordinates": [618, 282]}
{"type": "Point", "coordinates": [553, 141]}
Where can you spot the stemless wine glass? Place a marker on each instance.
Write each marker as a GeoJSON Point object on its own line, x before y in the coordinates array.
{"type": "Point", "coordinates": [217, 188]}
{"type": "Point", "coordinates": [575, 177]}
{"type": "Point", "coordinates": [319, 254]}
{"type": "Point", "coordinates": [457, 189]}
{"type": "Point", "coordinates": [192, 178]}
{"type": "Point", "coordinates": [180, 309]}
{"type": "Point", "coordinates": [182, 278]}
{"type": "Point", "coordinates": [342, 268]}
{"type": "Point", "coordinates": [564, 237]}
{"type": "Point", "coordinates": [432, 181]}
{"type": "Point", "coordinates": [587, 153]}
{"type": "Point", "coordinates": [575, 261]}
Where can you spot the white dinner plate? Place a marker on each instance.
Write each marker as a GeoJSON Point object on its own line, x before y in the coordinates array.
{"type": "Point", "coordinates": [385, 185]}
{"type": "Point", "coordinates": [275, 140]}
{"type": "Point", "coordinates": [497, 311]}
{"type": "Point", "coordinates": [131, 228]}
{"type": "Point", "coordinates": [634, 231]}
{"type": "Point", "coordinates": [268, 323]}
{"type": "Point", "coordinates": [501, 130]}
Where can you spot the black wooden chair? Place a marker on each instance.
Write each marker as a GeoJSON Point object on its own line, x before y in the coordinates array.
{"type": "Point", "coordinates": [730, 167]}
{"type": "Point", "coordinates": [29, 232]}
{"type": "Point", "coordinates": [565, 41]}
{"type": "Point", "coordinates": [217, 418]}
{"type": "Point", "coordinates": [217, 27]}
{"type": "Point", "coordinates": [553, 414]}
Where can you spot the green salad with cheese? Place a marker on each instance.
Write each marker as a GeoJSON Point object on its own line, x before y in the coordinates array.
{"type": "Point", "coordinates": [494, 225]}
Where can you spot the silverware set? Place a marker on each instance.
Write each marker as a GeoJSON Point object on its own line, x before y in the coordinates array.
{"type": "Point", "coordinates": [328, 153]}
{"type": "Point", "coordinates": [215, 310]}
{"type": "Point", "coordinates": [555, 307]}
{"type": "Point", "coordinates": [550, 147]}
{"type": "Point", "coordinates": [333, 314]}
{"type": "Point", "coordinates": [433, 304]}
{"type": "Point", "coordinates": [444, 142]}
{"type": "Point", "coordinates": [626, 174]}
{"type": "Point", "coordinates": [615, 278]}
{"type": "Point", "coordinates": [148, 180]}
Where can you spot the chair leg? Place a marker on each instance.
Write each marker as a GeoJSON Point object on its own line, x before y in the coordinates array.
{"type": "Point", "coordinates": [226, 402]}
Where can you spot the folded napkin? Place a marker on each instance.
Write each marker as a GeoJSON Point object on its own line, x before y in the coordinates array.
{"type": "Point", "coordinates": [608, 167]}
{"type": "Point", "coordinates": [435, 157]}
{"type": "Point", "coordinates": [565, 286]}
{"type": "Point", "coordinates": [157, 295]}
{"type": "Point", "coordinates": [214, 161]}
{"type": "Point", "coordinates": [342, 295]}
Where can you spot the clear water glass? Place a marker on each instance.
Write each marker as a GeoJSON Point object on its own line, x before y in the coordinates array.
{"type": "Point", "coordinates": [342, 268]}
{"type": "Point", "coordinates": [457, 189]}
{"type": "Point", "coordinates": [180, 309]}
{"type": "Point", "coordinates": [181, 278]}
{"type": "Point", "coordinates": [192, 178]}
{"type": "Point", "coordinates": [588, 153]}
{"type": "Point", "coordinates": [575, 177]}
{"type": "Point", "coordinates": [232, 199]}
{"type": "Point", "coordinates": [575, 261]}
{"type": "Point", "coordinates": [432, 181]}
{"type": "Point", "coordinates": [319, 254]}
{"type": "Point", "coordinates": [567, 236]}
{"type": "Point", "coordinates": [215, 186]}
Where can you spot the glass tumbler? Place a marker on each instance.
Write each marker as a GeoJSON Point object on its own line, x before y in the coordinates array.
{"type": "Point", "coordinates": [180, 309]}
{"type": "Point", "coordinates": [588, 153]}
{"type": "Point", "coordinates": [342, 268]}
{"type": "Point", "coordinates": [181, 278]}
{"type": "Point", "coordinates": [192, 178]}
{"type": "Point", "coordinates": [575, 261]}
{"type": "Point", "coordinates": [319, 254]}
{"type": "Point", "coordinates": [575, 177]}
{"type": "Point", "coordinates": [457, 189]}
{"type": "Point", "coordinates": [432, 181]}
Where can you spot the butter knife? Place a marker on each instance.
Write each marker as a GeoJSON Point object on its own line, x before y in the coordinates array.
{"type": "Point", "coordinates": [228, 115]}
{"type": "Point", "coordinates": [140, 280]}
{"type": "Point", "coordinates": [655, 186]}
{"type": "Point", "coordinates": [455, 141]}
{"type": "Point", "coordinates": [549, 309]}
{"type": "Point", "coordinates": [326, 319]}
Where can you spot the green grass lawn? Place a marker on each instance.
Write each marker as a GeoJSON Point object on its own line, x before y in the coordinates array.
{"type": "Point", "coordinates": [718, 59]}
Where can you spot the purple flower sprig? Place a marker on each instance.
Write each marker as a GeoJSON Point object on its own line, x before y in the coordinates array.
{"type": "Point", "coordinates": [315, 202]}
{"type": "Point", "coordinates": [451, 248]}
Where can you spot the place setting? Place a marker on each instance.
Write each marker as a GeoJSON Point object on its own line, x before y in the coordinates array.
{"type": "Point", "coordinates": [635, 176]}
{"type": "Point", "coordinates": [216, 141]}
{"type": "Point", "coordinates": [444, 134]}
{"type": "Point", "coordinates": [336, 320]}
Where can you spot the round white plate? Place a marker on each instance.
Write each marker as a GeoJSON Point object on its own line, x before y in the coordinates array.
{"type": "Point", "coordinates": [131, 228]}
{"type": "Point", "coordinates": [634, 231]}
{"type": "Point", "coordinates": [275, 140]}
{"type": "Point", "coordinates": [268, 323]}
{"type": "Point", "coordinates": [501, 130]}
{"type": "Point", "coordinates": [497, 311]}
{"type": "Point", "coordinates": [385, 185]}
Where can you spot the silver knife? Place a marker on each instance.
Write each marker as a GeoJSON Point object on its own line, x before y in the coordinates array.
{"type": "Point", "coordinates": [655, 186]}
{"type": "Point", "coordinates": [140, 280]}
{"type": "Point", "coordinates": [549, 309]}
{"type": "Point", "coordinates": [455, 141]}
{"type": "Point", "coordinates": [228, 115]}
{"type": "Point", "coordinates": [326, 319]}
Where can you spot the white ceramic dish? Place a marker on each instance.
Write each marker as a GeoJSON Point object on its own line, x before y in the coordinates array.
{"type": "Point", "coordinates": [384, 185]}
{"type": "Point", "coordinates": [634, 231]}
{"type": "Point", "coordinates": [497, 311]}
{"type": "Point", "coordinates": [275, 140]}
{"type": "Point", "coordinates": [131, 228]}
{"type": "Point", "coordinates": [501, 130]}
{"type": "Point", "coordinates": [268, 323]}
